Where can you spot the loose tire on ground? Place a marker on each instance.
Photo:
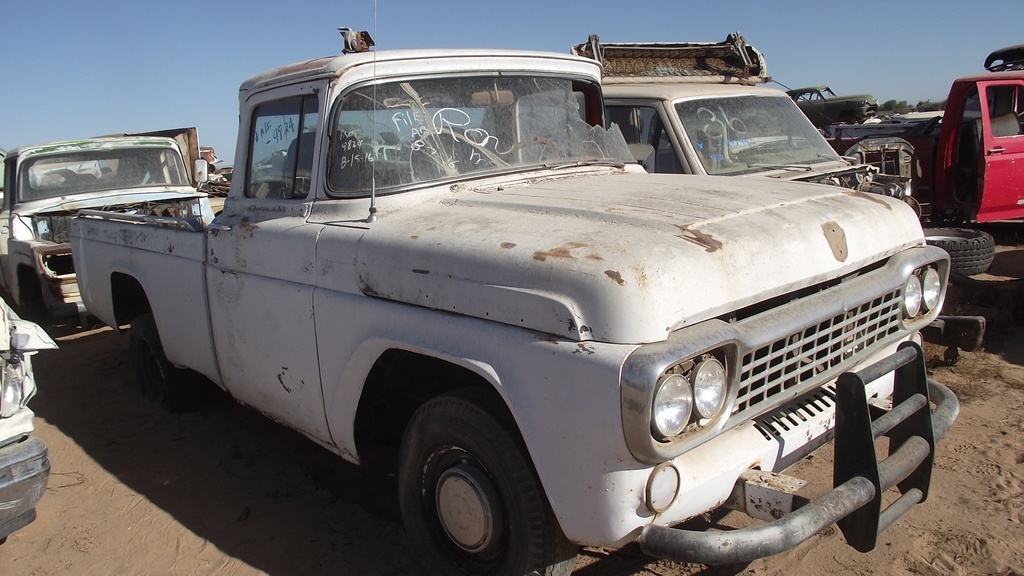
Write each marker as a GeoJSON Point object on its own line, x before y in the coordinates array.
{"type": "Point", "coordinates": [470, 499]}
{"type": "Point", "coordinates": [171, 388]}
{"type": "Point", "coordinates": [970, 251]}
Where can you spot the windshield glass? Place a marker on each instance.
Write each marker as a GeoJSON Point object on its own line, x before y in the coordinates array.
{"type": "Point", "coordinates": [83, 171]}
{"type": "Point", "coordinates": [417, 131]}
{"type": "Point", "coordinates": [745, 134]}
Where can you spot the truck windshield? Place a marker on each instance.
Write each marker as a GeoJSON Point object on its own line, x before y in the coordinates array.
{"type": "Point", "coordinates": [746, 134]}
{"type": "Point", "coordinates": [101, 170]}
{"type": "Point", "coordinates": [401, 133]}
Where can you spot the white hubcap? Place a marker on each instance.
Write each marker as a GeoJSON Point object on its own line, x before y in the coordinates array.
{"type": "Point", "coordinates": [464, 505]}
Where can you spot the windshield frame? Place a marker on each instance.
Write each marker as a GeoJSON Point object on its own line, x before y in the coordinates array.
{"type": "Point", "coordinates": [715, 163]}
{"type": "Point", "coordinates": [587, 125]}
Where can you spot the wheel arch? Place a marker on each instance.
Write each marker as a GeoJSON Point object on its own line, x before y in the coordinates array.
{"type": "Point", "coordinates": [128, 299]}
{"type": "Point", "coordinates": [402, 380]}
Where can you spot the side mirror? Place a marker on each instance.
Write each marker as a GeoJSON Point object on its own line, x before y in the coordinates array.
{"type": "Point", "coordinates": [201, 171]}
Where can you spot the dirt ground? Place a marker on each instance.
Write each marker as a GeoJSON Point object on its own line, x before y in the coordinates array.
{"type": "Point", "coordinates": [134, 490]}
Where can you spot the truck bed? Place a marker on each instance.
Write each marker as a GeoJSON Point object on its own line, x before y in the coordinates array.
{"type": "Point", "coordinates": [167, 256]}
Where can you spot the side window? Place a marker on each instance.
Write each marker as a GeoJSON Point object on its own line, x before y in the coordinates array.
{"type": "Point", "coordinates": [630, 122]}
{"type": "Point", "coordinates": [1004, 109]}
{"type": "Point", "coordinates": [281, 145]}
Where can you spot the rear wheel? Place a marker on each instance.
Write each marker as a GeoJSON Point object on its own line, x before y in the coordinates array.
{"type": "Point", "coordinates": [470, 499]}
{"type": "Point", "coordinates": [171, 388]}
{"type": "Point", "coordinates": [970, 251]}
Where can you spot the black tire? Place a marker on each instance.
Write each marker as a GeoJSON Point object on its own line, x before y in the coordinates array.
{"type": "Point", "coordinates": [173, 389]}
{"type": "Point", "coordinates": [970, 251]}
{"type": "Point", "coordinates": [454, 444]}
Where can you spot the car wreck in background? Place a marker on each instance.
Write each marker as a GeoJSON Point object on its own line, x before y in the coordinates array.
{"type": "Point", "coordinates": [45, 185]}
{"type": "Point", "coordinates": [822, 107]}
{"type": "Point", "coordinates": [968, 162]}
{"type": "Point", "coordinates": [24, 466]}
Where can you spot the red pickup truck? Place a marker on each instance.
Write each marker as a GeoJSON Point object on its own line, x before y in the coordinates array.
{"type": "Point", "coordinates": [969, 164]}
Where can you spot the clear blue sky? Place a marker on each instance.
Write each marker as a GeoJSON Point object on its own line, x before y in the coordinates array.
{"type": "Point", "coordinates": [79, 69]}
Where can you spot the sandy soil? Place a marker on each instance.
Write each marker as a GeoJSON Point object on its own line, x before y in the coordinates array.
{"type": "Point", "coordinates": [134, 490]}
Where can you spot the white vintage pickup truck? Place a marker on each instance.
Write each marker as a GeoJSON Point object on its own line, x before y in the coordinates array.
{"type": "Point", "coordinates": [442, 256]}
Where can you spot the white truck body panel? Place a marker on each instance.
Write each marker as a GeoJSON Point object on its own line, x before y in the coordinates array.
{"type": "Point", "coordinates": [554, 286]}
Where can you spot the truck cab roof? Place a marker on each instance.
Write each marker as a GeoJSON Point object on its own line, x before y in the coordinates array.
{"type": "Point", "coordinates": [388, 62]}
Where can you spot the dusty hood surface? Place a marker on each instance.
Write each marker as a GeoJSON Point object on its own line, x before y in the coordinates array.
{"type": "Point", "coordinates": [625, 257]}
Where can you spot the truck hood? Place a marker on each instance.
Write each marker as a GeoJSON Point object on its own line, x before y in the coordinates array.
{"type": "Point", "coordinates": [624, 258]}
{"type": "Point", "coordinates": [102, 199]}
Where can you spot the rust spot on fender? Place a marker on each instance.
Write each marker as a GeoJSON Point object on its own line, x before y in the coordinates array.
{"type": "Point", "coordinates": [706, 241]}
{"type": "Point", "coordinates": [562, 252]}
{"type": "Point", "coordinates": [508, 245]}
{"type": "Point", "coordinates": [614, 275]}
{"type": "Point", "coordinates": [583, 348]}
{"type": "Point", "coordinates": [415, 237]}
{"type": "Point", "coordinates": [871, 197]}
{"type": "Point", "coordinates": [595, 257]}
{"type": "Point", "coordinates": [836, 237]}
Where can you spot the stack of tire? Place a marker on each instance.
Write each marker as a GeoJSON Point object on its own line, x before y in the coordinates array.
{"type": "Point", "coordinates": [970, 251]}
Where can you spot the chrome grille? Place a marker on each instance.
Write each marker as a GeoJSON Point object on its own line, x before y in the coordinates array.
{"type": "Point", "coordinates": [816, 352]}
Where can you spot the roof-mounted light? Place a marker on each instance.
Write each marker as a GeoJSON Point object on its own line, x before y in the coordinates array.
{"type": "Point", "coordinates": [355, 40]}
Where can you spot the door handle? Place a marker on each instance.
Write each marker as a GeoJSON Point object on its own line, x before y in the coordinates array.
{"type": "Point", "coordinates": [996, 150]}
{"type": "Point", "coordinates": [215, 227]}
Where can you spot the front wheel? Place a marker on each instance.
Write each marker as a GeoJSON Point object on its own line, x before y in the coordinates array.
{"type": "Point", "coordinates": [470, 500]}
{"type": "Point", "coordinates": [160, 382]}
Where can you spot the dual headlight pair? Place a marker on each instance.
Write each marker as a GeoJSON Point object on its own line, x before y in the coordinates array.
{"type": "Point", "coordinates": [922, 292]}
{"type": "Point", "coordinates": [692, 392]}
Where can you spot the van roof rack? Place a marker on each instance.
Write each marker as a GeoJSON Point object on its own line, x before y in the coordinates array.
{"type": "Point", "coordinates": [730, 61]}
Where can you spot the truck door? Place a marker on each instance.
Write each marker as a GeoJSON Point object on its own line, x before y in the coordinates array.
{"type": "Point", "coordinates": [1002, 177]}
{"type": "Point", "coordinates": [262, 269]}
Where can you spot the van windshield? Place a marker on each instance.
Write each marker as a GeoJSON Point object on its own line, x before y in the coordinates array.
{"type": "Point", "coordinates": [416, 131]}
{"type": "Point", "coordinates": [747, 134]}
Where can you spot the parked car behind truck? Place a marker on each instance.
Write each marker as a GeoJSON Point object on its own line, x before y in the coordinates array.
{"type": "Point", "coordinates": [24, 465]}
{"type": "Point", "coordinates": [442, 257]}
{"type": "Point", "coordinates": [46, 184]}
{"type": "Point", "coordinates": [704, 108]}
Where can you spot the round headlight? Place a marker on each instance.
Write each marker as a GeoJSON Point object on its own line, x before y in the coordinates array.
{"type": "Point", "coordinates": [709, 387]}
{"type": "Point", "coordinates": [931, 288]}
{"type": "Point", "coordinates": [912, 297]}
{"type": "Point", "coordinates": [673, 403]}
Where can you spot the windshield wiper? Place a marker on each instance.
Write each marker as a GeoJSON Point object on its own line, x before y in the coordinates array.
{"type": "Point", "coordinates": [574, 163]}
{"type": "Point", "coordinates": [803, 167]}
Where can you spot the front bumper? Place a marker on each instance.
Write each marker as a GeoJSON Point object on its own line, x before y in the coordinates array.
{"type": "Point", "coordinates": [24, 471]}
{"type": "Point", "coordinates": [859, 477]}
